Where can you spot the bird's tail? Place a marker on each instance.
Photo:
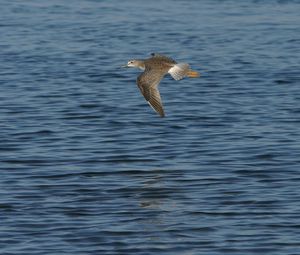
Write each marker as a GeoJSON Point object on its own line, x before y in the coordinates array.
{"type": "Point", "coordinates": [181, 70]}
{"type": "Point", "coordinates": [193, 74]}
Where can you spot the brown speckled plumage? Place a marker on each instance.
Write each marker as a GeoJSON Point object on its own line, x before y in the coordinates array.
{"type": "Point", "coordinates": [155, 68]}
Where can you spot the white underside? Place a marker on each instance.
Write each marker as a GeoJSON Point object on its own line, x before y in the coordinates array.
{"type": "Point", "coordinates": [179, 71]}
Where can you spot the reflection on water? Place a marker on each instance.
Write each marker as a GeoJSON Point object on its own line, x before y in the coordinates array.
{"type": "Point", "coordinates": [150, 197]}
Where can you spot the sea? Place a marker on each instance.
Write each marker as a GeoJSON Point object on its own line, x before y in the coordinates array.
{"type": "Point", "coordinates": [87, 167]}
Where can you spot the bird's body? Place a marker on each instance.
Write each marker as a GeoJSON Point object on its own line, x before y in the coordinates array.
{"type": "Point", "coordinates": [155, 68]}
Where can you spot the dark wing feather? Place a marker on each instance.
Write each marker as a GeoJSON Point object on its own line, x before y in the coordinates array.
{"type": "Point", "coordinates": [155, 102]}
{"type": "Point", "coordinates": [159, 57]}
{"type": "Point", "coordinates": [148, 82]}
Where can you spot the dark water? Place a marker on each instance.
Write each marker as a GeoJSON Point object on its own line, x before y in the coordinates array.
{"type": "Point", "coordinates": [88, 168]}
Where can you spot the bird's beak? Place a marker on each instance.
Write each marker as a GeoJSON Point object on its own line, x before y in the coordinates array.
{"type": "Point", "coordinates": [125, 66]}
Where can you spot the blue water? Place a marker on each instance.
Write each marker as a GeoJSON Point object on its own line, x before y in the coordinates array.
{"type": "Point", "coordinates": [87, 167]}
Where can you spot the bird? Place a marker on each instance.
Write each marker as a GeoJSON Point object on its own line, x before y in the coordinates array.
{"type": "Point", "coordinates": [155, 68]}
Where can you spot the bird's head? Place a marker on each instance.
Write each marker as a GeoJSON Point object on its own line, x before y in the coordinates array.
{"type": "Point", "coordinates": [135, 63]}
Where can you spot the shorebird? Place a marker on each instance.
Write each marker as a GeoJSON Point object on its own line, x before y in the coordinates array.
{"type": "Point", "coordinates": [155, 68]}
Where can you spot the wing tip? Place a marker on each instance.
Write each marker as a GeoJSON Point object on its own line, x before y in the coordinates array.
{"type": "Point", "coordinates": [157, 110]}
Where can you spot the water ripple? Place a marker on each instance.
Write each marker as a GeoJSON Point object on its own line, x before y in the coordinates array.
{"type": "Point", "coordinates": [88, 168]}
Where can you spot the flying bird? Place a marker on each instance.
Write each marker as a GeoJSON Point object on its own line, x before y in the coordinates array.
{"type": "Point", "coordinates": [155, 68]}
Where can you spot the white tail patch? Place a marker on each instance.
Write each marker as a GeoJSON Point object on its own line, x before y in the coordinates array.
{"type": "Point", "coordinates": [179, 71]}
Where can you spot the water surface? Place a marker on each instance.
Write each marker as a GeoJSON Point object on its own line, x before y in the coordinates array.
{"type": "Point", "coordinates": [88, 168]}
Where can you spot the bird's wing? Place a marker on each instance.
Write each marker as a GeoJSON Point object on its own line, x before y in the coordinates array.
{"type": "Point", "coordinates": [179, 71]}
{"type": "Point", "coordinates": [148, 84]}
{"type": "Point", "coordinates": [163, 58]}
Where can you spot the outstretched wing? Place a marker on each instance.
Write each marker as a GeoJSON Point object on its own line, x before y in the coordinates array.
{"type": "Point", "coordinates": [163, 58]}
{"type": "Point", "coordinates": [148, 82]}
